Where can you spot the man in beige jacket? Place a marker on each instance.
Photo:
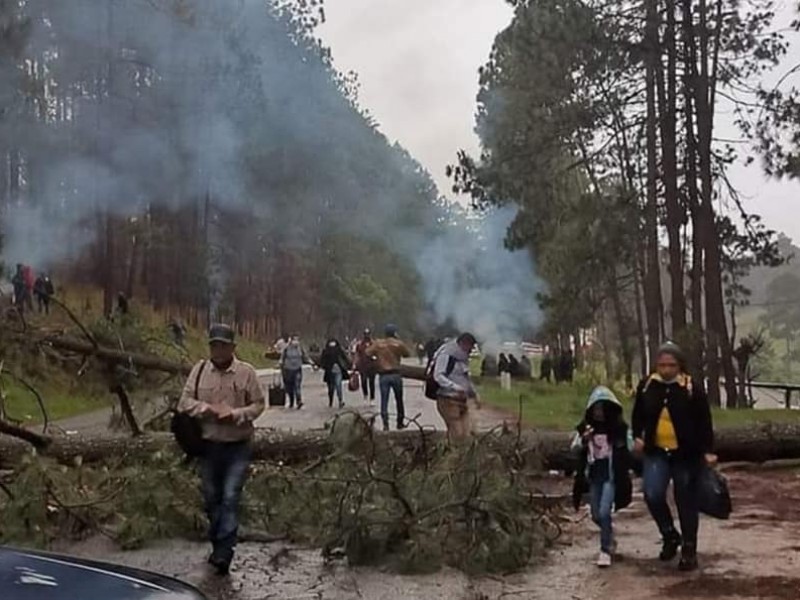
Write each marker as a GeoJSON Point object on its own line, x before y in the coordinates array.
{"type": "Point", "coordinates": [224, 393]}
{"type": "Point", "coordinates": [388, 354]}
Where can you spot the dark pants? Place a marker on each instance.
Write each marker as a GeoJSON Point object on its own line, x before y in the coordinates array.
{"type": "Point", "coordinates": [368, 384]}
{"type": "Point", "coordinates": [44, 303]}
{"type": "Point", "coordinates": [293, 382]}
{"type": "Point", "coordinates": [389, 382]}
{"type": "Point", "coordinates": [659, 469]}
{"type": "Point", "coordinates": [223, 471]}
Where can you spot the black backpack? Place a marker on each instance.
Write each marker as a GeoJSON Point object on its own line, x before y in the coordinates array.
{"type": "Point", "coordinates": [431, 386]}
{"type": "Point", "coordinates": [188, 430]}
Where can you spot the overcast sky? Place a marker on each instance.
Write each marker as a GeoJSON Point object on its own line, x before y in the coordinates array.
{"type": "Point", "coordinates": [417, 61]}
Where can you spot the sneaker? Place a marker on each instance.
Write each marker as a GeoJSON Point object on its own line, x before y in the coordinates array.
{"type": "Point", "coordinates": [669, 546]}
{"type": "Point", "coordinates": [604, 560]}
{"type": "Point", "coordinates": [341, 405]}
{"type": "Point", "coordinates": [401, 425]}
{"type": "Point", "coordinates": [688, 560]}
{"type": "Point", "coordinates": [386, 427]}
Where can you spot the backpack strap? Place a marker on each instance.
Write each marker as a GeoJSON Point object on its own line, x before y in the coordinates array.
{"type": "Point", "coordinates": [451, 364]}
{"type": "Point", "coordinates": [197, 380]}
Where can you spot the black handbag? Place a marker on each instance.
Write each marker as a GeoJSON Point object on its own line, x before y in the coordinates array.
{"type": "Point", "coordinates": [188, 430]}
{"type": "Point", "coordinates": [714, 497]}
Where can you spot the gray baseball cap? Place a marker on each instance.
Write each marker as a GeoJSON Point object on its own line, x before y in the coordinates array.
{"type": "Point", "coordinates": [221, 333]}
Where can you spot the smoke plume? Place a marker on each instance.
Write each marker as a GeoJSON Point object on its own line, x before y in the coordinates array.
{"type": "Point", "coordinates": [148, 104]}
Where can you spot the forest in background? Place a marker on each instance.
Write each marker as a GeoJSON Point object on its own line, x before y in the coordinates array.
{"type": "Point", "coordinates": [208, 160]}
{"type": "Point", "coordinates": [600, 121]}
{"type": "Point", "coordinates": [211, 162]}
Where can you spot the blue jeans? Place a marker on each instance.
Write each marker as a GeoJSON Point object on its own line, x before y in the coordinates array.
{"type": "Point", "coordinates": [602, 501]}
{"type": "Point", "coordinates": [389, 382]}
{"type": "Point", "coordinates": [335, 386]}
{"type": "Point", "coordinates": [293, 382]}
{"type": "Point", "coordinates": [659, 469]}
{"type": "Point", "coordinates": [223, 470]}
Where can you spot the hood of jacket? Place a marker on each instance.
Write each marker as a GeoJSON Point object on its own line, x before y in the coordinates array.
{"type": "Point", "coordinates": [602, 394]}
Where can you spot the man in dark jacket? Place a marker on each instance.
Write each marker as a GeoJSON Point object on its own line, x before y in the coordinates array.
{"type": "Point", "coordinates": [43, 290]}
{"type": "Point", "coordinates": [546, 368]}
{"type": "Point", "coordinates": [672, 428]}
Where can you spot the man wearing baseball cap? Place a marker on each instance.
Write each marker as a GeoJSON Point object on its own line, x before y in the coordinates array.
{"type": "Point", "coordinates": [225, 395]}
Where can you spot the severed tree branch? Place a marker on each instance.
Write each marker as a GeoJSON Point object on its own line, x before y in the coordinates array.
{"type": "Point", "coordinates": [75, 320]}
{"type": "Point", "coordinates": [36, 440]}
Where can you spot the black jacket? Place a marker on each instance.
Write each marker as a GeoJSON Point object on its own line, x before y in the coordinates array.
{"type": "Point", "coordinates": [688, 409]}
{"type": "Point", "coordinates": [332, 356]}
{"type": "Point", "coordinates": [623, 486]}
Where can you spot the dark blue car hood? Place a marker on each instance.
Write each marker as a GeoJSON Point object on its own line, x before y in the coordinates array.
{"type": "Point", "coordinates": [30, 575]}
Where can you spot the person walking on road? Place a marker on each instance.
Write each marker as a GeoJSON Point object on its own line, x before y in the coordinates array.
{"type": "Point", "coordinates": [365, 366]}
{"type": "Point", "coordinates": [336, 365]}
{"type": "Point", "coordinates": [292, 360]}
{"type": "Point", "coordinates": [603, 443]}
{"type": "Point", "coordinates": [674, 434]}
{"type": "Point", "coordinates": [455, 389]}
{"type": "Point", "coordinates": [388, 354]}
{"type": "Point", "coordinates": [225, 395]}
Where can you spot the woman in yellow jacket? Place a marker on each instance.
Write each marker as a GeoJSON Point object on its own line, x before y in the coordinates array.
{"type": "Point", "coordinates": [673, 432]}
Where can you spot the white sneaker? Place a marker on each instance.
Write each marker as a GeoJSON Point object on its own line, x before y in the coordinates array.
{"type": "Point", "coordinates": [604, 560]}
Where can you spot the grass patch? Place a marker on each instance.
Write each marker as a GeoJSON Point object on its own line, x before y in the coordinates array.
{"type": "Point", "coordinates": [561, 407]}
{"type": "Point", "coordinates": [61, 403]}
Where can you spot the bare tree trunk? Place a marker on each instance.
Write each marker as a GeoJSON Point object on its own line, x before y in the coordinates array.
{"type": "Point", "coordinates": [603, 332]}
{"type": "Point", "coordinates": [667, 100]}
{"type": "Point", "coordinates": [652, 279]}
{"type": "Point", "coordinates": [109, 284]}
{"type": "Point", "coordinates": [716, 334]}
{"type": "Point", "coordinates": [695, 336]}
{"type": "Point", "coordinates": [622, 330]}
{"type": "Point", "coordinates": [640, 333]}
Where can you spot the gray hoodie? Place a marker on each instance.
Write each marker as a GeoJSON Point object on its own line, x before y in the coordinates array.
{"type": "Point", "coordinates": [451, 371]}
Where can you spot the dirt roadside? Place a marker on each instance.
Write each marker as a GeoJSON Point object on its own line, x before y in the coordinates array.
{"type": "Point", "coordinates": [755, 555]}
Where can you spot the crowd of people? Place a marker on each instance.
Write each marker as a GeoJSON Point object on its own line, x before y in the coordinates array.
{"type": "Point", "coordinates": [368, 360]}
{"type": "Point", "coordinates": [671, 429]}
{"type": "Point", "coordinates": [27, 285]}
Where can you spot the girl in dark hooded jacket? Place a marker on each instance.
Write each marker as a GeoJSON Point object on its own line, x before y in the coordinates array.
{"type": "Point", "coordinates": [604, 444]}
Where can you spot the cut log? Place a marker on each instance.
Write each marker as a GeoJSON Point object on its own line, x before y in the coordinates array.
{"type": "Point", "coordinates": [110, 355]}
{"type": "Point", "coordinates": [755, 443]}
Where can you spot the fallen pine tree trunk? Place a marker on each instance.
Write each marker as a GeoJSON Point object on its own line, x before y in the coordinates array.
{"type": "Point", "coordinates": [753, 443]}
{"type": "Point", "coordinates": [113, 356]}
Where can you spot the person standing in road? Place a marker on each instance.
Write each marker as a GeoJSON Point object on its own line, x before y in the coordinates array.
{"type": "Point", "coordinates": [366, 366]}
{"type": "Point", "coordinates": [673, 432]}
{"type": "Point", "coordinates": [388, 354]}
{"type": "Point", "coordinates": [225, 394]}
{"type": "Point", "coordinates": [336, 366]}
{"type": "Point", "coordinates": [292, 360]}
{"type": "Point", "coordinates": [43, 290]}
{"type": "Point", "coordinates": [451, 373]}
{"type": "Point", "coordinates": [546, 368]}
